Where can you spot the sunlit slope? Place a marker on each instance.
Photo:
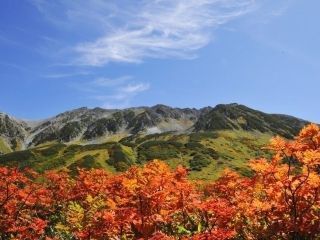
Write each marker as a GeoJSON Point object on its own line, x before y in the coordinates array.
{"type": "Point", "coordinates": [96, 126]}
{"type": "Point", "coordinates": [205, 154]}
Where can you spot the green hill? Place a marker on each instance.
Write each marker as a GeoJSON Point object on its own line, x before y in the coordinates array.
{"type": "Point", "coordinates": [205, 140]}
{"type": "Point", "coordinates": [206, 154]}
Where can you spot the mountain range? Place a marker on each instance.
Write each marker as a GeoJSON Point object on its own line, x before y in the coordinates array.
{"type": "Point", "coordinates": [97, 125]}
{"type": "Point", "coordinates": [206, 140]}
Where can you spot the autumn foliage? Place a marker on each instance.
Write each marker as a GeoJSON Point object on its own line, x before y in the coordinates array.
{"type": "Point", "coordinates": [280, 201]}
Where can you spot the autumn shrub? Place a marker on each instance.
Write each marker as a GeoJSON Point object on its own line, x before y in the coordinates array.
{"type": "Point", "coordinates": [279, 201]}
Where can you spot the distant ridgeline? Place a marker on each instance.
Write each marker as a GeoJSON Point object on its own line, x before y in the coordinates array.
{"type": "Point", "coordinates": [205, 140]}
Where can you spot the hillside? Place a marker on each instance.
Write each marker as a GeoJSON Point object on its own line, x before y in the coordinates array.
{"type": "Point", "coordinates": [204, 140]}
{"type": "Point", "coordinates": [205, 154]}
{"type": "Point", "coordinates": [87, 126]}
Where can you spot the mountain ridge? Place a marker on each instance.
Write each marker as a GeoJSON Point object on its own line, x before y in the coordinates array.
{"type": "Point", "coordinates": [96, 125]}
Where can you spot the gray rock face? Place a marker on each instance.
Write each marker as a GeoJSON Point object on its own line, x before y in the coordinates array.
{"type": "Point", "coordinates": [85, 124]}
{"type": "Point", "coordinates": [235, 116]}
{"type": "Point", "coordinates": [11, 128]}
{"type": "Point", "coordinates": [12, 131]}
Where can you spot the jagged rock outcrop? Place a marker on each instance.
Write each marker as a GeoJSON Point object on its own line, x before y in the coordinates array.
{"type": "Point", "coordinates": [86, 124]}
{"type": "Point", "coordinates": [235, 116]}
{"type": "Point", "coordinates": [12, 131]}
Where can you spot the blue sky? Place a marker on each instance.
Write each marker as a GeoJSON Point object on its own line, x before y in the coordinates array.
{"type": "Point", "coordinates": [59, 55]}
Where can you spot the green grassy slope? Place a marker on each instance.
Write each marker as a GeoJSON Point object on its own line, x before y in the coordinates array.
{"type": "Point", "coordinates": [4, 147]}
{"type": "Point", "coordinates": [205, 154]}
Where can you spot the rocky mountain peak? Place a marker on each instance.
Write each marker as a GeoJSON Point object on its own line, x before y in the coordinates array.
{"type": "Point", "coordinates": [85, 124]}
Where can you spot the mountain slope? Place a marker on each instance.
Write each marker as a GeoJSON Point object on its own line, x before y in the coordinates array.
{"type": "Point", "coordinates": [12, 133]}
{"type": "Point", "coordinates": [240, 117]}
{"type": "Point", "coordinates": [98, 125]}
{"type": "Point", "coordinates": [206, 154]}
{"type": "Point", "coordinates": [205, 140]}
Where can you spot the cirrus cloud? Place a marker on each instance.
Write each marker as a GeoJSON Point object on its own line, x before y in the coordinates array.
{"type": "Point", "coordinates": [162, 29]}
{"type": "Point", "coordinates": [112, 92]}
{"type": "Point", "coordinates": [130, 32]}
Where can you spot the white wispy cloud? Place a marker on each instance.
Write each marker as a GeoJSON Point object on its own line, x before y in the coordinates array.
{"type": "Point", "coordinates": [123, 95]}
{"type": "Point", "coordinates": [122, 31]}
{"type": "Point", "coordinates": [134, 31]}
{"type": "Point", "coordinates": [162, 29]}
{"type": "Point", "coordinates": [135, 88]}
{"type": "Point", "coordinates": [112, 92]}
{"type": "Point", "coordinates": [110, 82]}
{"type": "Point", "coordinates": [65, 75]}
{"type": "Point", "coordinates": [124, 92]}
